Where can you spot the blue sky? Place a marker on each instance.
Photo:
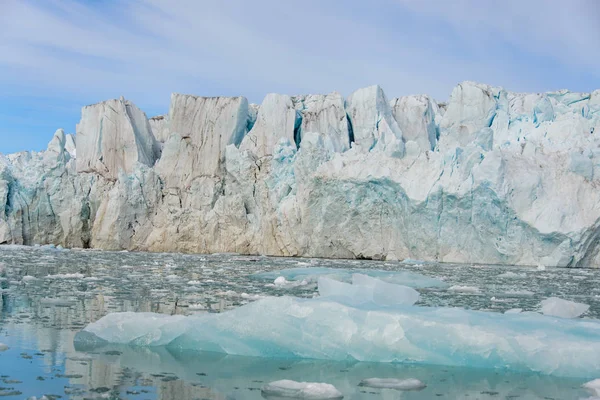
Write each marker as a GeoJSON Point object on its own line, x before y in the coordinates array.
{"type": "Point", "coordinates": [59, 55]}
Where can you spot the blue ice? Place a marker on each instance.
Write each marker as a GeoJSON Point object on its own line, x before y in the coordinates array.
{"type": "Point", "coordinates": [325, 328]}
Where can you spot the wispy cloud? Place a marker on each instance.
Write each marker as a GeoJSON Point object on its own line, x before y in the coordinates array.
{"type": "Point", "coordinates": [72, 52]}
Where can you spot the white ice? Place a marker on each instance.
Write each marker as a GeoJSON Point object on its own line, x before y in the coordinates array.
{"type": "Point", "coordinates": [463, 289]}
{"type": "Point", "coordinates": [3, 347]}
{"type": "Point", "coordinates": [593, 387]}
{"type": "Point", "coordinates": [406, 278]}
{"type": "Point", "coordinates": [301, 390]}
{"type": "Point", "coordinates": [391, 383]}
{"type": "Point", "coordinates": [556, 307]}
{"type": "Point", "coordinates": [365, 289]}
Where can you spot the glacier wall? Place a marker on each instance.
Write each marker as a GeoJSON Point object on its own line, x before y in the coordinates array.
{"type": "Point", "coordinates": [490, 176]}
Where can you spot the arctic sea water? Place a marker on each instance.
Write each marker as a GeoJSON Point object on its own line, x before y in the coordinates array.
{"type": "Point", "coordinates": [50, 295]}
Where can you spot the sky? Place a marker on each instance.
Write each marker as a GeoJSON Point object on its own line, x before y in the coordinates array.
{"type": "Point", "coordinates": [59, 55]}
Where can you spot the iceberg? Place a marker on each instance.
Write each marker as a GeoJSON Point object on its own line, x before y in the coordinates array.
{"type": "Point", "coordinates": [563, 308]}
{"type": "Point", "coordinates": [313, 274]}
{"type": "Point", "coordinates": [301, 390]}
{"type": "Point", "coordinates": [333, 329]}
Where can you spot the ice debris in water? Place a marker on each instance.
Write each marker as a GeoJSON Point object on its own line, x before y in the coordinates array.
{"type": "Point", "coordinates": [391, 383]}
{"type": "Point", "coordinates": [325, 328]}
{"type": "Point", "coordinates": [593, 387]}
{"type": "Point", "coordinates": [365, 289]}
{"type": "Point", "coordinates": [301, 390]}
{"type": "Point", "coordinates": [556, 307]}
{"type": "Point", "coordinates": [312, 275]}
{"type": "Point", "coordinates": [463, 289]}
{"type": "Point", "coordinates": [514, 311]}
{"type": "Point", "coordinates": [510, 274]}
{"type": "Point", "coordinates": [66, 276]}
{"type": "Point", "coordinates": [282, 282]}
{"type": "Point", "coordinates": [3, 347]}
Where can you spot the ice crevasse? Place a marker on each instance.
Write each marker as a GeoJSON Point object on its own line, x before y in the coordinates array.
{"type": "Point", "coordinates": [386, 327]}
{"type": "Point", "coordinates": [489, 176]}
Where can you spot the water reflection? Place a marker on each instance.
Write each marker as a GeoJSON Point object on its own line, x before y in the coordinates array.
{"type": "Point", "coordinates": [47, 297]}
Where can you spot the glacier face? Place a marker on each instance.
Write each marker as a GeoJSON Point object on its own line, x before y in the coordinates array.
{"type": "Point", "coordinates": [490, 176]}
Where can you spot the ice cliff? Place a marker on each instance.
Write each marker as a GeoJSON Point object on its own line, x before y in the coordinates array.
{"type": "Point", "coordinates": [490, 176]}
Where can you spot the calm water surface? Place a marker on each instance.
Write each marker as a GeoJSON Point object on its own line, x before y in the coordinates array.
{"type": "Point", "coordinates": [49, 295]}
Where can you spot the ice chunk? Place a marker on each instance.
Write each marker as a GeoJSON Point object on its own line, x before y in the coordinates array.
{"type": "Point", "coordinates": [365, 289]}
{"type": "Point", "coordinates": [514, 311]}
{"type": "Point", "coordinates": [3, 347]}
{"type": "Point", "coordinates": [301, 390]}
{"type": "Point", "coordinates": [322, 328]}
{"type": "Point", "coordinates": [391, 383]}
{"type": "Point", "coordinates": [463, 289]}
{"type": "Point", "coordinates": [593, 387]}
{"type": "Point", "coordinates": [66, 276]}
{"type": "Point", "coordinates": [405, 278]}
{"type": "Point", "coordinates": [510, 274]}
{"type": "Point", "coordinates": [556, 307]}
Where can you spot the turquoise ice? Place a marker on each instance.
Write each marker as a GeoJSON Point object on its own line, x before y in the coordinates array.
{"type": "Point", "coordinates": [326, 328]}
{"type": "Point", "coordinates": [406, 278]}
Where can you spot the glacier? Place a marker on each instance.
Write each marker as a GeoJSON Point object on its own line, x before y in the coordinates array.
{"type": "Point", "coordinates": [490, 176]}
{"type": "Point", "coordinates": [354, 324]}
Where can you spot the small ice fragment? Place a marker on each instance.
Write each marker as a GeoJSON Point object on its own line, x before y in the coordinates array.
{"type": "Point", "coordinates": [3, 347]}
{"type": "Point", "coordinates": [66, 276]}
{"type": "Point", "coordinates": [28, 278]}
{"type": "Point", "coordinates": [464, 289]}
{"type": "Point", "coordinates": [301, 390]}
{"type": "Point", "coordinates": [541, 267]}
{"type": "Point", "coordinates": [593, 387]}
{"type": "Point", "coordinates": [280, 281]}
{"type": "Point", "coordinates": [514, 311]}
{"type": "Point", "coordinates": [194, 283]}
{"type": "Point", "coordinates": [555, 307]}
{"type": "Point", "coordinates": [252, 297]}
{"type": "Point", "coordinates": [510, 274]}
{"type": "Point", "coordinates": [391, 383]}
{"type": "Point", "coordinates": [193, 307]}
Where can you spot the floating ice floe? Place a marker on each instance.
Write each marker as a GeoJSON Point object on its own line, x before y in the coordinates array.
{"type": "Point", "coordinates": [3, 347]}
{"type": "Point", "coordinates": [514, 311]}
{"type": "Point", "coordinates": [512, 275]}
{"type": "Point", "coordinates": [556, 307]}
{"type": "Point", "coordinates": [464, 289]}
{"type": "Point", "coordinates": [312, 275]}
{"type": "Point", "coordinates": [301, 390]}
{"type": "Point", "coordinates": [593, 387]}
{"type": "Point", "coordinates": [391, 383]}
{"type": "Point", "coordinates": [365, 289]}
{"type": "Point", "coordinates": [327, 328]}
{"type": "Point", "coordinates": [66, 276]}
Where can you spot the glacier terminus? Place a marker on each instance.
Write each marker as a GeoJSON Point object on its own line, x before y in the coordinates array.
{"type": "Point", "coordinates": [490, 176]}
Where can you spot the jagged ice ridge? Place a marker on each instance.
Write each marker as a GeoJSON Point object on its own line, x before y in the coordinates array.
{"type": "Point", "coordinates": [490, 176]}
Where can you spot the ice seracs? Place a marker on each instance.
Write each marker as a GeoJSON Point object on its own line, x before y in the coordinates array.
{"type": "Point", "coordinates": [491, 177]}
{"type": "Point", "coordinates": [113, 136]}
